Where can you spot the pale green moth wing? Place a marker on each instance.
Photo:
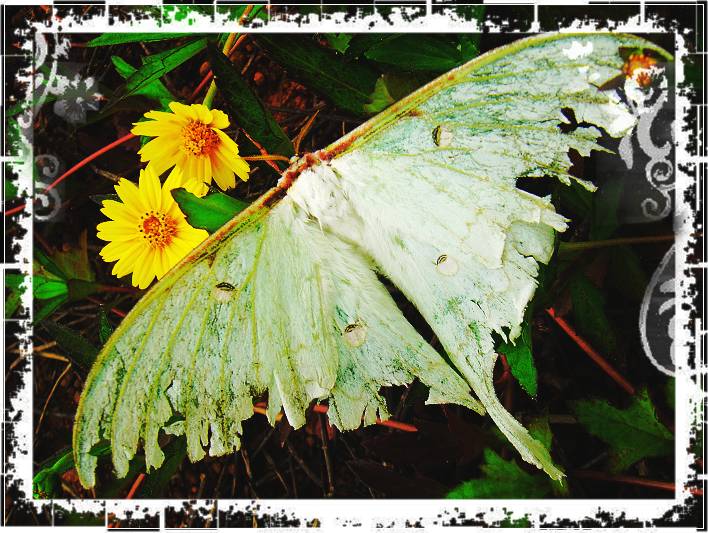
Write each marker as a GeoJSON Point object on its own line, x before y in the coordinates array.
{"type": "Point", "coordinates": [284, 300]}
{"type": "Point", "coordinates": [428, 191]}
{"type": "Point", "coordinates": [272, 304]}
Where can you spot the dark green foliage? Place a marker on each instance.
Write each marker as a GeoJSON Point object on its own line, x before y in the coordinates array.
{"type": "Point", "coordinates": [589, 315]}
{"type": "Point", "coordinates": [348, 84]}
{"type": "Point", "coordinates": [245, 108]}
{"type": "Point", "coordinates": [519, 355]}
{"type": "Point", "coordinates": [108, 39]}
{"type": "Point", "coordinates": [78, 349]}
{"type": "Point", "coordinates": [421, 52]}
{"type": "Point", "coordinates": [633, 433]}
{"type": "Point", "coordinates": [154, 90]}
{"type": "Point", "coordinates": [503, 479]}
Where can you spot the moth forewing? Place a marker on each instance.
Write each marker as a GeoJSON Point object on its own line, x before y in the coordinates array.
{"type": "Point", "coordinates": [283, 301]}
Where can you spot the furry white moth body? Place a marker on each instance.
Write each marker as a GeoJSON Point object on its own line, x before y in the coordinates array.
{"type": "Point", "coordinates": [285, 300]}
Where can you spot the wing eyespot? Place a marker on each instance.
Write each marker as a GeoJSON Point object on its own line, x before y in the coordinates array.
{"type": "Point", "coordinates": [222, 291]}
{"type": "Point", "coordinates": [441, 136]}
{"type": "Point", "coordinates": [354, 335]}
{"type": "Point", "coordinates": [446, 265]}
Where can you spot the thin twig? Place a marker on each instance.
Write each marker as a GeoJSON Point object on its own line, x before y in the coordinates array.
{"type": "Point", "coordinates": [49, 397]}
{"type": "Point", "coordinates": [302, 464]}
{"type": "Point", "coordinates": [632, 480]}
{"type": "Point", "coordinates": [592, 353]}
{"type": "Point", "coordinates": [280, 477]}
{"type": "Point", "coordinates": [325, 451]}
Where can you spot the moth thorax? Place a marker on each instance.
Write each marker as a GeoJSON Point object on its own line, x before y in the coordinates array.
{"type": "Point", "coordinates": [223, 291]}
{"type": "Point", "coordinates": [354, 335]}
{"type": "Point", "coordinates": [446, 265]}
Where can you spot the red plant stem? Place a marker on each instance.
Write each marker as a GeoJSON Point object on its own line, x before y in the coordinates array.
{"type": "Point", "coordinates": [319, 408]}
{"type": "Point", "coordinates": [206, 79]}
{"type": "Point", "coordinates": [113, 310]}
{"type": "Point", "coordinates": [136, 484]}
{"type": "Point", "coordinates": [592, 353]}
{"type": "Point", "coordinates": [507, 370]}
{"type": "Point", "coordinates": [631, 480]}
{"type": "Point", "coordinates": [111, 288]}
{"type": "Point", "coordinates": [209, 75]}
{"type": "Point", "coordinates": [76, 167]}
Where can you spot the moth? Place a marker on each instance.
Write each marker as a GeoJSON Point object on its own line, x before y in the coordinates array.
{"type": "Point", "coordinates": [284, 299]}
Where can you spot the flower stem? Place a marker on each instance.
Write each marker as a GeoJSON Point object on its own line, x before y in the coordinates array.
{"type": "Point", "coordinates": [211, 92]}
{"type": "Point", "coordinates": [209, 97]}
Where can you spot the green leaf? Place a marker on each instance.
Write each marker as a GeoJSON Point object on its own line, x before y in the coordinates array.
{"type": "Point", "coordinates": [380, 98]}
{"type": "Point", "coordinates": [416, 52]}
{"type": "Point", "coordinates": [14, 282]}
{"type": "Point", "coordinates": [104, 326]}
{"type": "Point", "coordinates": [44, 288]}
{"type": "Point", "coordinates": [48, 307]}
{"type": "Point", "coordinates": [245, 108]}
{"type": "Point", "coordinates": [108, 39]}
{"type": "Point", "coordinates": [589, 315]}
{"type": "Point", "coordinates": [210, 212]}
{"type": "Point", "coordinates": [540, 430]}
{"type": "Point", "coordinates": [46, 483]}
{"type": "Point", "coordinates": [79, 350]}
{"type": "Point", "coordinates": [158, 65]}
{"type": "Point", "coordinates": [503, 479]}
{"type": "Point", "coordinates": [632, 434]}
{"type": "Point", "coordinates": [520, 359]}
{"type": "Point", "coordinates": [338, 41]}
{"type": "Point", "coordinates": [155, 90]}
{"type": "Point", "coordinates": [348, 84]}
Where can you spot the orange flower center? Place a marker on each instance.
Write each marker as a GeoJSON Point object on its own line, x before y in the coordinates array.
{"type": "Point", "coordinates": [199, 139]}
{"type": "Point", "coordinates": [158, 229]}
{"type": "Point", "coordinates": [638, 66]}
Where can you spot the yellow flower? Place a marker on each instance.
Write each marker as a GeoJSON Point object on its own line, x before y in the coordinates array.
{"type": "Point", "coordinates": [148, 233]}
{"type": "Point", "coordinates": [196, 187]}
{"type": "Point", "coordinates": [191, 139]}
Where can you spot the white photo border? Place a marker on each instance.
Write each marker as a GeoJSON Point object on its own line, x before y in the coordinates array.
{"type": "Point", "coordinates": [415, 17]}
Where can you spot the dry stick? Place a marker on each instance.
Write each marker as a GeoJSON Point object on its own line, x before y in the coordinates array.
{"type": "Point", "coordinates": [592, 353]}
{"type": "Point", "coordinates": [49, 397]}
{"type": "Point", "coordinates": [631, 480]}
{"type": "Point", "coordinates": [325, 452]}
{"type": "Point", "coordinates": [274, 466]}
{"type": "Point", "coordinates": [303, 132]}
{"type": "Point", "coordinates": [264, 152]}
{"type": "Point", "coordinates": [302, 464]}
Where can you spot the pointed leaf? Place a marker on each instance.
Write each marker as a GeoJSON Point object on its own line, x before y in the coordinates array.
{"type": "Point", "coordinates": [108, 39]}
{"type": "Point", "coordinates": [348, 84]}
{"type": "Point", "coordinates": [632, 433]}
{"type": "Point", "coordinates": [245, 108]}
{"type": "Point", "coordinates": [210, 212]}
{"type": "Point", "coordinates": [519, 355]}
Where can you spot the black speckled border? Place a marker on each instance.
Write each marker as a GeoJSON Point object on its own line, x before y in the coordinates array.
{"type": "Point", "coordinates": [683, 19]}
